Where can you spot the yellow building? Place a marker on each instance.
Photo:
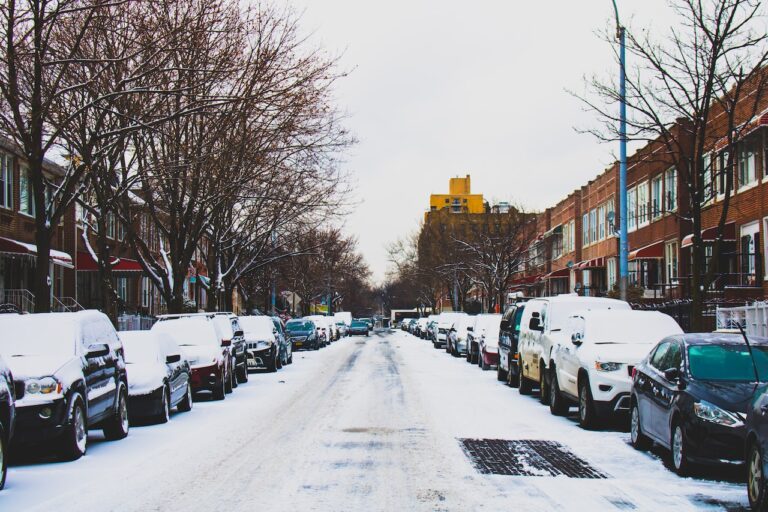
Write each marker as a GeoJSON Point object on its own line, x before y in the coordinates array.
{"type": "Point", "coordinates": [459, 198]}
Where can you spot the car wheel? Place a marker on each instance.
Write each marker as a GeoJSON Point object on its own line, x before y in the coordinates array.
{"type": "Point", "coordinates": [483, 365]}
{"type": "Point", "coordinates": [117, 426]}
{"type": "Point", "coordinates": [233, 373]}
{"type": "Point", "coordinates": [468, 357]}
{"type": "Point", "coordinates": [272, 365]}
{"type": "Point", "coordinates": [524, 386]}
{"type": "Point", "coordinates": [501, 375]}
{"type": "Point", "coordinates": [587, 418]}
{"type": "Point", "coordinates": [278, 361]}
{"type": "Point", "coordinates": [165, 413]}
{"type": "Point", "coordinates": [3, 457]}
{"type": "Point", "coordinates": [756, 478]}
{"type": "Point", "coordinates": [228, 381]}
{"type": "Point", "coordinates": [290, 358]}
{"type": "Point", "coordinates": [186, 403]}
{"type": "Point", "coordinates": [512, 380]}
{"type": "Point", "coordinates": [679, 446]}
{"type": "Point", "coordinates": [557, 404]}
{"type": "Point", "coordinates": [435, 345]}
{"type": "Point", "coordinates": [220, 392]}
{"type": "Point", "coordinates": [638, 439]}
{"type": "Point", "coordinates": [543, 388]}
{"type": "Point", "coordinates": [74, 440]}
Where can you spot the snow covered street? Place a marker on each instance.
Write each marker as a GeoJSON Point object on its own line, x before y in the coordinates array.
{"type": "Point", "coordinates": [372, 423]}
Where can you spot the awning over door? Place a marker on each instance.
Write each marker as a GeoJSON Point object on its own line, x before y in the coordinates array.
{"type": "Point", "coordinates": [654, 251]}
{"type": "Point", "coordinates": [563, 272]}
{"type": "Point", "coordinates": [709, 235]}
{"type": "Point", "coordinates": [598, 262]}
{"type": "Point", "coordinates": [16, 248]}
{"type": "Point", "coordinates": [85, 263]}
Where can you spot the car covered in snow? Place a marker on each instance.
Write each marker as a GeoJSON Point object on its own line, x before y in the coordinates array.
{"type": "Point", "coordinates": [482, 322]}
{"type": "Point", "coordinates": [324, 333]}
{"type": "Point", "coordinates": [158, 376]}
{"type": "Point", "coordinates": [421, 327]}
{"type": "Point", "coordinates": [457, 335]}
{"type": "Point", "coordinates": [262, 343]}
{"type": "Point", "coordinates": [72, 371]}
{"type": "Point", "coordinates": [445, 322]}
{"type": "Point", "coordinates": [8, 396]}
{"type": "Point", "coordinates": [594, 369]}
{"type": "Point", "coordinates": [229, 328]}
{"type": "Point", "coordinates": [509, 335]}
{"type": "Point", "coordinates": [286, 349]}
{"type": "Point", "coordinates": [488, 342]}
{"type": "Point", "coordinates": [343, 329]}
{"type": "Point", "coordinates": [302, 334]}
{"type": "Point", "coordinates": [691, 395]}
{"type": "Point", "coordinates": [542, 326]}
{"type": "Point", "coordinates": [207, 353]}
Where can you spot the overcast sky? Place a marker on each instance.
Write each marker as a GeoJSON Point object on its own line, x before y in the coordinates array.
{"type": "Point", "coordinates": [447, 88]}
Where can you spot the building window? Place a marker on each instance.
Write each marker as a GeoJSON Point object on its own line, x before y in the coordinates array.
{"type": "Point", "coordinates": [710, 180]}
{"type": "Point", "coordinates": [122, 288]}
{"type": "Point", "coordinates": [146, 292]}
{"type": "Point", "coordinates": [747, 175]}
{"type": "Point", "coordinates": [670, 257]}
{"type": "Point", "coordinates": [593, 225]}
{"type": "Point", "coordinates": [656, 204]}
{"type": "Point", "coordinates": [722, 173]}
{"type": "Point", "coordinates": [643, 214]}
{"type": "Point", "coordinates": [26, 198]}
{"type": "Point", "coordinates": [632, 209]}
{"type": "Point", "coordinates": [6, 181]}
{"type": "Point", "coordinates": [110, 220]}
{"type": "Point", "coordinates": [765, 249]}
{"type": "Point", "coordinates": [585, 230]}
{"type": "Point", "coordinates": [751, 259]}
{"type": "Point", "coordinates": [572, 236]}
{"type": "Point", "coordinates": [610, 266]}
{"type": "Point", "coordinates": [670, 190]}
{"type": "Point", "coordinates": [601, 222]}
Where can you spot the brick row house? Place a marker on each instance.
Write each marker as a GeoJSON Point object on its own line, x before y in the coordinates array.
{"type": "Point", "coordinates": [659, 226]}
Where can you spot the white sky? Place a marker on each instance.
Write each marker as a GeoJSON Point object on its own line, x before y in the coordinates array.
{"type": "Point", "coordinates": [446, 88]}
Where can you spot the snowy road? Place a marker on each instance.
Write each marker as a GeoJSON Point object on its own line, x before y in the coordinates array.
{"type": "Point", "coordinates": [365, 424]}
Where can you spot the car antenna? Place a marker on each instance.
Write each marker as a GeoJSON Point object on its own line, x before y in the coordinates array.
{"type": "Point", "coordinates": [751, 355]}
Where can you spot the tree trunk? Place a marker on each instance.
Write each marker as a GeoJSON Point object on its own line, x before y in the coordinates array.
{"type": "Point", "coordinates": [42, 283]}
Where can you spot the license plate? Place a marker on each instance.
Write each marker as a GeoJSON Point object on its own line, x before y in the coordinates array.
{"type": "Point", "coordinates": [299, 344]}
{"type": "Point", "coordinates": [251, 363]}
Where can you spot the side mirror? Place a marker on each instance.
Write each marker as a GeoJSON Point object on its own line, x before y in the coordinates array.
{"type": "Point", "coordinates": [226, 343]}
{"type": "Point", "coordinates": [239, 334]}
{"type": "Point", "coordinates": [98, 350]}
{"type": "Point", "coordinates": [535, 324]}
{"type": "Point", "coordinates": [173, 358]}
{"type": "Point", "coordinates": [672, 374]}
{"type": "Point", "coordinates": [576, 338]}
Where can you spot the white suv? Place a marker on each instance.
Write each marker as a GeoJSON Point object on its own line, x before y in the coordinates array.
{"type": "Point", "coordinates": [542, 327]}
{"type": "Point", "coordinates": [594, 368]}
{"type": "Point", "coordinates": [445, 323]}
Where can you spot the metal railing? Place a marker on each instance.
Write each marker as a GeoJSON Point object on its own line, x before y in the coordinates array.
{"type": "Point", "coordinates": [134, 322]}
{"type": "Point", "coordinates": [753, 318]}
{"type": "Point", "coordinates": [65, 305]}
{"type": "Point", "coordinates": [24, 300]}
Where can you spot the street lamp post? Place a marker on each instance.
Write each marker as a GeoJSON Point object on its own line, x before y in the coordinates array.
{"type": "Point", "coordinates": [623, 242]}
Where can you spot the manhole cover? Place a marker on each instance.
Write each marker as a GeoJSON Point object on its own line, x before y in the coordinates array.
{"type": "Point", "coordinates": [526, 458]}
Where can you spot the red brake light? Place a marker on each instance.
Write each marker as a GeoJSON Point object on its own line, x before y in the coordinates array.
{"type": "Point", "coordinates": [634, 372]}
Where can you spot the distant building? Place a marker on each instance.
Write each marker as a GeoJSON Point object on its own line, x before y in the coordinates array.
{"type": "Point", "coordinates": [459, 199]}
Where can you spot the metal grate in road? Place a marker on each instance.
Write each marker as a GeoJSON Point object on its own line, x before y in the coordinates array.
{"type": "Point", "coordinates": [526, 458]}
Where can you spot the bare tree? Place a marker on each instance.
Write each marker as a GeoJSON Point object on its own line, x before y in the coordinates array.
{"type": "Point", "coordinates": [693, 91]}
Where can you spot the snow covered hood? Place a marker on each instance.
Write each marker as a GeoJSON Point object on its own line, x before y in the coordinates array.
{"type": "Point", "coordinates": [143, 378]}
{"type": "Point", "coordinates": [30, 367]}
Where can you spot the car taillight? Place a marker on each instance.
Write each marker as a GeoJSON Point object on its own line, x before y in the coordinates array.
{"type": "Point", "coordinates": [634, 372]}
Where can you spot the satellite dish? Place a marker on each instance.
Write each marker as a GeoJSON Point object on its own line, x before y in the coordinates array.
{"type": "Point", "coordinates": [611, 216]}
{"type": "Point", "coordinates": [569, 264]}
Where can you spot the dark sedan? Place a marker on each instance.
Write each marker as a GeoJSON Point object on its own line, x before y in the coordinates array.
{"type": "Point", "coordinates": [691, 395]}
{"type": "Point", "coordinates": [7, 416]}
{"type": "Point", "coordinates": [358, 327]}
{"type": "Point", "coordinates": [756, 446]}
{"type": "Point", "coordinates": [302, 334]}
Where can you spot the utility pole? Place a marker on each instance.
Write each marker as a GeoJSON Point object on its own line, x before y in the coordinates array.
{"type": "Point", "coordinates": [623, 241]}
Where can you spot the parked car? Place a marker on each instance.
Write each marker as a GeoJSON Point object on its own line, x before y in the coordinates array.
{"type": "Point", "coordinates": [457, 335]}
{"type": "Point", "coordinates": [542, 326]}
{"type": "Point", "coordinates": [691, 395]}
{"type": "Point", "coordinates": [421, 327]}
{"type": "Point", "coordinates": [8, 397]}
{"type": "Point", "coordinates": [756, 446]}
{"type": "Point", "coordinates": [286, 349]}
{"type": "Point", "coordinates": [482, 322]}
{"type": "Point", "coordinates": [594, 369]}
{"type": "Point", "coordinates": [323, 331]}
{"type": "Point", "coordinates": [343, 316]}
{"type": "Point", "coordinates": [229, 328]}
{"type": "Point", "coordinates": [302, 334]}
{"type": "Point", "coordinates": [369, 321]}
{"type": "Point", "coordinates": [343, 329]}
{"type": "Point", "coordinates": [359, 328]}
{"type": "Point", "coordinates": [509, 335]}
{"type": "Point", "coordinates": [489, 344]}
{"type": "Point", "coordinates": [158, 376]}
{"type": "Point", "coordinates": [72, 371]}
{"type": "Point", "coordinates": [207, 353]}
{"type": "Point", "coordinates": [263, 345]}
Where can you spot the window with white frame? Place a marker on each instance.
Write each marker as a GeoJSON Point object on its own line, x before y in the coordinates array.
{"type": "Point", "coordinates": [6, 181]}
{"type": "Point", "coordinates": [557, 246]}
{"type": "Point", "coordinates": [610, 266]}
{"type": "Point", "coordinates": [567, 238]}
{"type": "Point", "coordinates": [656, 197]}
{"type": "Point", "coordinates": [26, 197]}
{"type": "Point", "coordinates": [593, 225]}
{"type": "Point", "coordinates": [632, 209]}
{"type": "Point", "coordinates": [122, 288]}
{"type": "Point", "coordinates": [571, 236]}
{"type": "Point", "coordinates": [585, 230]}
{"type": "Point", "coordinates": [746, 165]}
{"type": "Point", "coordinates": [110, 221]}
{"type": "Point", "coordinates": [610, 218]}
{"type": "Point", "coordinates": [643, 215]}
{"type": "Point", "coordinates": [146, 292]}
{"type": "Point", "coordinates": [670, 190]}
{"type": "Point", "coordinates": [722, 173]}
{"type": "Point", "coordinates": [710, 181]}
{"type": "Point", "coordinates": [765, 248]}
{"type": "Point", "coordinates": [601, 222]}
{"type": "Point", "coordinates": [670, 259]}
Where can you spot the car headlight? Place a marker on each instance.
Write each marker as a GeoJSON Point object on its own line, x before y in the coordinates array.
{"type": "Point", "coordinates": [44, 386]}
{"type": "Point", "coordinates": [607, 367]}
{"type": "Point", "coordinates": [710, 412]}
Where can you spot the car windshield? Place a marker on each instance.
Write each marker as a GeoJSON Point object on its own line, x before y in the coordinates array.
{"type": "Point", "coordinates": [35, 335]}
{"type": "Point", "coordinates": [727, 362]}
{"type": "Point", "coordinates": [139, 348]}
{"type": "Point", "coordinates": [298, 325]}
{"type": "Point", "coordinates": [359, 324]}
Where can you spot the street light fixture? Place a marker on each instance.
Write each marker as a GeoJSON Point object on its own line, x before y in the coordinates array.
{"type": "Point", "coordinates": [623, 242]}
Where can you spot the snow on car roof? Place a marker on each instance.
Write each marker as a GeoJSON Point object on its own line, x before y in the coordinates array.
{"type": "Point", "coordinates": [141, 346]}
{"type": "Point", "coordinates": [627, 326]}
{"type": "Point", "coordinates": [38, 334]}
{"type": "Point", "coordinates": [196, 330]}
{"type": "Point", "coordinates": [256, 325]}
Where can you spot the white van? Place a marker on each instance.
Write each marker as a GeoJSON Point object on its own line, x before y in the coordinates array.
{"type": "Point", "coordinates": [543, 326]}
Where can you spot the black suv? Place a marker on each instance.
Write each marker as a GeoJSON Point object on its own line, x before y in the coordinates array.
{"type": "Point", "coordinates": [72, 371]}
{"type": "Point", "coordinates": [7, 416]}
{"type": "Point", "coordinates": [509, 336]}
